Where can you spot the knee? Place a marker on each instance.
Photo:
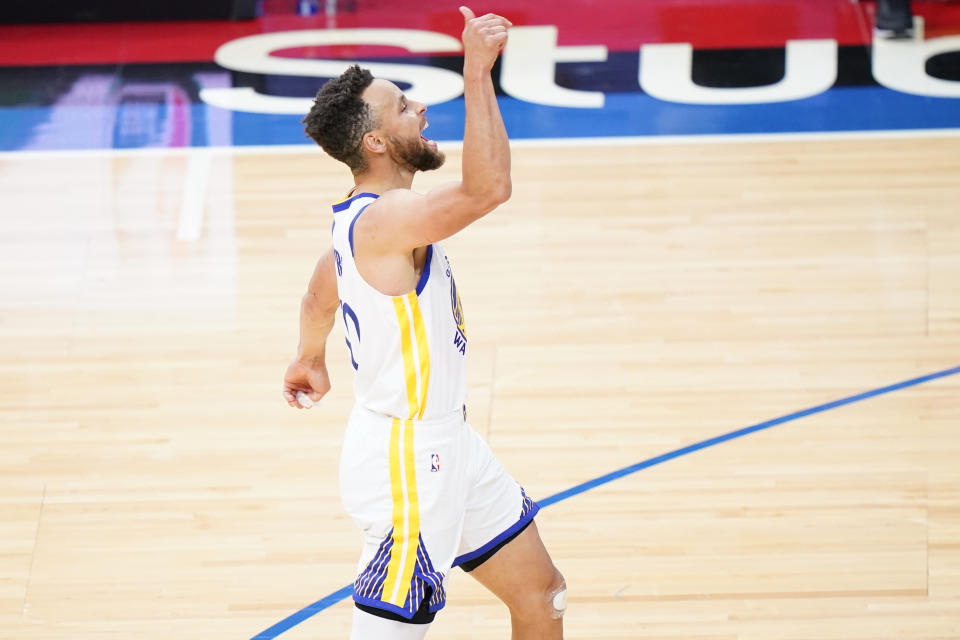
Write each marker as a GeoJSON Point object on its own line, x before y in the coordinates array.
{"type": "Point", "coordinates": [544, 602]}
{"type": "Point", "coordinates": [557, 596]}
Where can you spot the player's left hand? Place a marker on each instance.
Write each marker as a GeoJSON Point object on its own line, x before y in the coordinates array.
{"type": "Point", "coordinates": [312, 380]}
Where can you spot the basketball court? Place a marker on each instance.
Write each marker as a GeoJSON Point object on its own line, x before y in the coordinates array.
{"type": "Point", "coordinates": [716, 334]}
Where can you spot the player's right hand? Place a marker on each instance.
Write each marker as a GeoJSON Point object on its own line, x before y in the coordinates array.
{"type": "Point", "coordinates": [311, 379]}
{"type": "Point", "coordinates": [483, 38]}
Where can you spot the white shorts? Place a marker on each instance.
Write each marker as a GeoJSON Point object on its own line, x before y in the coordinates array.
{"type": "Point", "coordinates": [428, 495]}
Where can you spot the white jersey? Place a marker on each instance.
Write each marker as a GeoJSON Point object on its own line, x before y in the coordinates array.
{"type": "Point", "coordinates": [409, 350]}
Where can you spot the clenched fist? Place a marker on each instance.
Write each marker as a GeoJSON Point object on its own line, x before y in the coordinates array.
{"type": "Point", "coordinates": [483, 39]}
{"type": "Point", "coordinates": [310, 378]}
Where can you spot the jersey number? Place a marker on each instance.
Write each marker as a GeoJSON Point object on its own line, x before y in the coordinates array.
{"type": "Point", "coordinates": [349, 317]}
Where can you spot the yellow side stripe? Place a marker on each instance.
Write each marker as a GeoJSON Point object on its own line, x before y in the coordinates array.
{"type": "Point", "coordinates": [403, 477]}
{"type": "Point", "coordinates": [413, 537]}
{"type": "Point", "coordinates": [423, 351]}
{"type": "Point", "coordinates": [406, 345]}
{"type": "Point", "coordinates": [396, 488]}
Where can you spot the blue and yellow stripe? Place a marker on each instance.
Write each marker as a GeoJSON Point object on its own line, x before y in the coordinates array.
{"type": "Point", "coordinates": [400, 571]}
{"type": "Point", "coordinates": [406, 546]}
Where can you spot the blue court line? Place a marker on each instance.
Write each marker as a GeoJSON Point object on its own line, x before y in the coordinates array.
{"type": "Point", "coordinates": [346, 591]}
{"type": "Point", "coordinates": [303, 614]}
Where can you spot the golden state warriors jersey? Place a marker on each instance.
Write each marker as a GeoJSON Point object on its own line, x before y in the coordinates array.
{"type": "Point", "coordinates": [408, 351]}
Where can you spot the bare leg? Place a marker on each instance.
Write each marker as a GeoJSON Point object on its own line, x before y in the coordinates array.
{"type": "Point", "coordinates": [367, 626]}
{"type": "Point", "coordinates": [522, 575]}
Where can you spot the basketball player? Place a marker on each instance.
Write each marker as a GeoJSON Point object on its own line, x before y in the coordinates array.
{"type": "Point", "coordinates": [422, 485]}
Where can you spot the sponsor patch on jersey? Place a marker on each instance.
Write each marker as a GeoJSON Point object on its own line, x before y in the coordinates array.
{"type": "Point", "coordinates": [460, 336]}
{"type": "Point", "coordinates": [457, 308]}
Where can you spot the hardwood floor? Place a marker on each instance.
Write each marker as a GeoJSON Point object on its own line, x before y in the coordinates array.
{"type": "Point", "coordinates": [628, 301]}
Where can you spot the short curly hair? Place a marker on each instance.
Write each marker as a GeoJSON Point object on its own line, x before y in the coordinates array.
{"type": "Point", "coordinates": [339, 117]}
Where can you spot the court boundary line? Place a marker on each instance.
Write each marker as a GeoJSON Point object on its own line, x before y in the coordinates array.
{"type": "Point", "coordinates": [341, 594]}
{"type": "Point", "coordinates": [193, 202]}
{"type": "Point", "coordinates": [519, 143]}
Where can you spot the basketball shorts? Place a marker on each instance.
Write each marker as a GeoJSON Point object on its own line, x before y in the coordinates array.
{"type": "Point", "coordinates": [428, 495]}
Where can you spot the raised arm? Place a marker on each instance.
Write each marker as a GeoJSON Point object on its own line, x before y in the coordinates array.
{"type": "Point", "coordinates": [402, 220]}
{"type": "Point", "coordinates": [486, 149]}
{"type": "Point", "coordinates": [308, 371]}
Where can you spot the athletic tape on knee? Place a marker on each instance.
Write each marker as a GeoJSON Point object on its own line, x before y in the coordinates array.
{"type": "Point", "coordinates": [558, 599]}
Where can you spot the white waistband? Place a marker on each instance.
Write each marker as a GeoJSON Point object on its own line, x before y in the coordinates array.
{"type": "Point", "coordinates": [457, 416]}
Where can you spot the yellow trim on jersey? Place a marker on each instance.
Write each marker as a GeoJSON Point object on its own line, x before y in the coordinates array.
{"type": "Point", "coordinates": [413, 522]}
{"type": "Point", "coordinates": [423, 350]}
{"type": "Point", "coordinates": [406, 514]}
{"type": "Point", "coordinates": [397, 482]}
{"type": "Point", "coordinates": [406, 346]}
{"type": "Point", "coordinates": [348, 196]}
{"type": "Point", "coordinates": [403, 477]}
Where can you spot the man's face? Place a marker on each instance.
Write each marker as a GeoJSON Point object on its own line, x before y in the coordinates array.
{"type": "Point", "coordinates": [402, 121]}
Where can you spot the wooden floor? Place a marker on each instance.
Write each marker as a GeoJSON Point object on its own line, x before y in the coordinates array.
{"type": "Point", "coordinates": [628, 301]}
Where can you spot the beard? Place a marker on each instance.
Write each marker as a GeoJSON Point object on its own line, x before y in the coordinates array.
{"type": "Point", "coordinates": [416, 154]}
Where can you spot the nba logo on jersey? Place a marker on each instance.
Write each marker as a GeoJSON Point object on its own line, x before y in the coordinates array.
{"type": "Point", "coordinates": [434, 462]}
